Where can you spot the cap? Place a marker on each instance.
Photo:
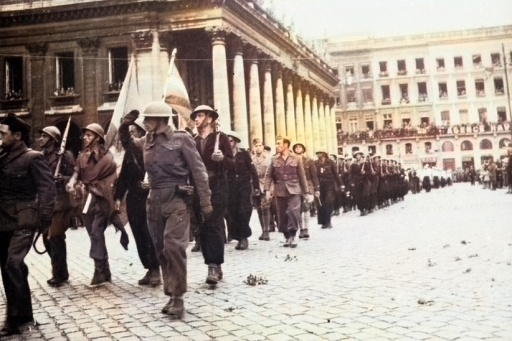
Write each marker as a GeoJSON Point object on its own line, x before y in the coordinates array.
{"type": "Point", "coordinates": [206, 109]}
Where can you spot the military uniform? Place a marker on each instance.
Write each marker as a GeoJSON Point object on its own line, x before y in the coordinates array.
{"type": "Point", "coordinates": [261, 163]}
{"type": "Point", "coordinates": [329, 180]}
{"type": "Point", "coordinates": [27, 198]}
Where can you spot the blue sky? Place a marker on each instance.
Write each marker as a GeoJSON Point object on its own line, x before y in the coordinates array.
{"type": "Point", "coordinates": [327, 18]}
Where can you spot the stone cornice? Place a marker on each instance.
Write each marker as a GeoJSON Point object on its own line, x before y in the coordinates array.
{"type": "Point", "coordinates": [89, 45]}
{"type": "Point", "coordinates": [37, 49]}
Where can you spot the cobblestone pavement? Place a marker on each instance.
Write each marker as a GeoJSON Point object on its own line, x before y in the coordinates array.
{"type": "Point", "coordinates": [437, 266]}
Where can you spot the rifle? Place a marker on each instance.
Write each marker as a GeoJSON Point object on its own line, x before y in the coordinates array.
{"type": "Point", "coordinates": [62, 148]}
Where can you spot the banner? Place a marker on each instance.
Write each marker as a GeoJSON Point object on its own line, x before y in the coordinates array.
{"type": "Point", "coordinates": [175, 93]}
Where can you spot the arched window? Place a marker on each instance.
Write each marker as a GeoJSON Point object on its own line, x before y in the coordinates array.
{"type": "Point", "coordinates": [504, 143]}
{"type": "Point", "coordinates": [466, 145]}
{"type": "Point", "coordinates": [447, 147]}
{"type": "Point", "coordinates": [485, 144]}
{"type": "Point", "coordinates": [389, 149]}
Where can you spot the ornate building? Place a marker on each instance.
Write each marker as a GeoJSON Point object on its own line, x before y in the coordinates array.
{"type": "Point", "coordinates": [70, 57]}
{"type": "Point", "coordinates": [438, 98]}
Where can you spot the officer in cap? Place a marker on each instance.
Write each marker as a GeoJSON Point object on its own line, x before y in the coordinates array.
{"type": "Point", "coordinates": [96, 169]}
{"type": "Point", "coordinates": [55, 237]}
{"type": "Point", "coordinates": [129, 185]}
{"type": "Point", "coordinates": [217, 155]}
{"type": "Point", "coordinates": [170, 159]}
{"type": "Point", "coordinates": [27, 197]}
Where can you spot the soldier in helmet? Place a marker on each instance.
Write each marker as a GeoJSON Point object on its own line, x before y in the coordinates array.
{"type": "Point", "coordinates": [129, 184]}
{"type": "Point", "coordinates": [170, 159]}
{"type": "Point", "coordinates": [217, 155]}
{"type": "Point", "coordinates": [329, 180]}
{"type": "Point", "coordinates": [27, 197]}
{"type": "Point", "coordinates": [96, 169]}
{"type": "Point", "coordinates": [55, 238]}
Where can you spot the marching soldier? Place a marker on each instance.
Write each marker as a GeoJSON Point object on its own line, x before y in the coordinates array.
{"type": "Point", "coordinates": [357, 176]}
{"type": "Point", "coordinates": [215, 150]}
{"type": "Point", "coordinates": [170, 158]}
{"type": "Point", "coordinates": [242, 182]}
{"type": "Point", "coordinates": [96, 169]}
{"type": "Point", "coordinates": [329, 183]}
{"type": "Point", "coordinates": [55, 238]}
{"type": "Point", "coordinates": [261, 161]}
{"type": "Point", "coordinates": [286, 173]}
{"type": "Point", "coordinates": [129, 183]}
{"type": "Point", "coordinates": [27, 198]}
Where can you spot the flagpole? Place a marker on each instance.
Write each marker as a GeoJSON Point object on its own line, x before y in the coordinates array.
{"type": "Point", "coordinates": [508, 90]}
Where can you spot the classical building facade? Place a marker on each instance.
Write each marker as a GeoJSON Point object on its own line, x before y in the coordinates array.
{"type": "Point", "coordinates": [438, 98]}
{"type": "Point", "coordinates": [62, 58]}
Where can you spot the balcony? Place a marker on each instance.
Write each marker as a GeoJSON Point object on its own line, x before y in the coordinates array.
{"type": "Point", "coordinates": [383, 74]}
{"type": "Point", "coordinates": [401, 73]}
{"type": "Point", "coordinates": [14, 104]}
{"type": "Point", "coordinates": [386, 101]}
{"type": "Point", "coordinates": [480, 93]}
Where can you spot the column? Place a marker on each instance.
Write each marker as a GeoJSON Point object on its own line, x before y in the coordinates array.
{"type": "Point", "coordinates": [89, 92]}
{"type": "Point", "coordinates": [328, 127]}
{"type": "Point", "coordinates": [291, 126]}
{"type": "Point", "coordinates": [269, 127]}
{"type": "Point", "coordinates": [322, 138]}
{"type": "Point", "coordinates": [220, 78]}
{"type": "Point", "coordinates": [308, 122]}
{"type": "Point", "coordinates": [299, 110]}
{"type": "Point", "coordinates": [333, 126]}
{"type": "Point", "coordinates": [240, 123]}
{"type": "Point", "coordinates": [281, 126]}
{"type": "Point", "coordinates": [37, 53]}
{"type": "Point", "coordinates": [255, 122]}
{"type": "Point", "coordinates": [315, 121]}
{"type": "Point", "coordinates": [151, 60]}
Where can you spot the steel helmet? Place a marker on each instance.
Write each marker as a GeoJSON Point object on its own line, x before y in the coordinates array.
{"type": "Point", "coordinates": [138, 123]}
{"type": "Point", "coordinates": [97, 129]}
{"type": "Point", "coordinates": [204, 108]}
{"type": "Point", "coordinates": [322, 150]}
{"type": "Point", "coordinates": [52, 131]}
{"type": "Point", "coordinates": [157, 109]}
{"type": "Point", "coordinates": [234, 135]}
{"type": "Point", "coordinates": [299, 144]}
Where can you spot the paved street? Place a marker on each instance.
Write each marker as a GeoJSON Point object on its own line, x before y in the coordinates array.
{"type": "Point", "coordinates": [437, 266]}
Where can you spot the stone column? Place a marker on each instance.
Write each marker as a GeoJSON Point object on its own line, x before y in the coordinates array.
{"type": "Point", "coordinates": [315, 121]}
{"type": "Point", "coordinates": [89, 92]}
{"type": "Point", "coordinates": [299, 110]}
{"type": "Point", "coordinates": [322, 134]}
{"type": "Point", "coordinates": [308, 121]}
{"type": "Point", "coordinates": [152, 63]}
{"type": "Point", "coordinates": [240, 123]}
{"type": "Point", "coordinates": [281, 127]}
{"type": "Point", "coordinates": [291, 125]}
{"type": "Point", "coordinates": [333, 126]}
{"type": "Point", "coordinates": [220, 78]}
{"type": "Point", "coordinates": [269, 127]}
{"type": "Point", "coordinates": [37, 93]}
{"type": "Point", "coordinates": [255, 121]}
{"type": "Point", "coordinates": [328, 127]}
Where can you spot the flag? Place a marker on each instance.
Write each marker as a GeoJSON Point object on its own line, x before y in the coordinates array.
{"type": "Point", "coordinates": [176, 95]}
{"type": "Point", "coordinates": [128, 100]}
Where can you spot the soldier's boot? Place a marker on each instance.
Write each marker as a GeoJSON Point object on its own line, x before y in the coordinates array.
{"type": "Point", "coordinates": [265, 215]}
{"type": "Point", "coordinates": [213, 274]}
{"type": "Point", "coordinates": [174, 308]}
{"type": "Point", "coordinates": [101, 272]}
{"type": "Point", "coordinates": [197, 245]}
{"type": "Point", "coordinates": [59, 262]}
{"type": "Point", "coordinates": [304, 232]}
{"type": "Point", "coordinates": [152, 278]}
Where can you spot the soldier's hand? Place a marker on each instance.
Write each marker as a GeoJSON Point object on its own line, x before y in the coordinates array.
{"type": "Point", "coordinates": [144, 185]}
{"type": "Point", "coordinates": [217, 156]}
{"type": "Point", "coordinates": [117, 206]}
{"type": "Point", "coordinates": [70, 188]}
{"type": "Point", "coordinates": [342, 188]}
{"type": "Point", "coordinates": [317, 194]}
{"type": "Point", "coordinates": [206, 211]}
{"type": "Point", "coordinates": [130, 117]}
{"type": "Point", "coordinates": [310, 198]}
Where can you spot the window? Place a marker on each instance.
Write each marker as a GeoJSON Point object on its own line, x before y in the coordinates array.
{"type": "Point", "coordinates": [463, 114]}
{"type": "Point", "coordinates": [477, 61]}
{"type": "Point", "coordinates": [365, 71]}
{"type": "Point", "coordinates": [480, 87]}
{"type": "Point", "coordinates": [404, 92]}
{"type": "Point", "coordinates": [498, 86]}
{"type": "Point", "coordinates": [445, 117]}
{"type": "Point", "coordinates": [422, 92]}
{"type": "Point", "coordinates": [349, 70]}
{"type": "Point", "coordinates": [372, 150]}
{"type": "Point", "coordinates": [461, 88]}
{"type": "Point", "coordinates": [367, 94]}
{"type": "Point", "coordinates": [466, 145]}
{"type": "Point", "coordinates": [383, 67]}
{"type": "Point", "coordinates": [440, 64]}
{"type": "Point", "coordinates": [485, 144]}
{"type": "Point", "coordinates": [389, 149]}
{"type": "Point", "coordinates": [402, 69]}
{"type": "Point", "coordinates": [457, 62]}
{"type": "Point", "coordinates": [447, 147]}
{"type": "Point", "coordinates": [482, 115]}
{"type": "Point", "coordinates": [504, 143]}
{"type": "Point", "coordinates": [369, 122]}
{"type": "Point", "coordinates": [388, 121]}
{"type": "Point", "coordinates": [386, 96]}
{"type": "Point", "coordinates": [428, 147]}
{"type": "Point", "coordinates": [405, 122]}
{"type": "Point", "coordinates": [65, 74]}
{"type": "Point", "coordinates": [118, 67]}
{"type": "Point", "coordinates": [408, 148]}
{"type": "Point", "coordinates": [443, 90]}
{"type": "Point", "coordinates": [353, 125]}
{"type": "Point", "coordinates": [425, 121]}
{"type": "Point", "coordinates": [351, 95]}
{"type": "Point", "coordinates": [13, 78]}
{"type": "Point", "coordinates": [496, 59]}
{"type": "Point", "coordinates": [502, 114]}
{"type": "Point", "coordinates": [420, 65]}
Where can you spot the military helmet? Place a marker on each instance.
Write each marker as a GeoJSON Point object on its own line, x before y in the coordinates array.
{"type": "Point", "coordinates": [234, 135]}
{"type": "Point", "coordinates": [52, 131]}
{"type": "Point", "coordinates": [138, 123]}
{"type": "Point", "coordinates": [299, 144]}
{"type": "Point", "coordinates": [322, 150]}
{"type": "Point", "coordinates": [204, 108]}
{"type": "Point", "coordinates": [97, 129]}
{"type": "Point", "coordinates": [157, 109]}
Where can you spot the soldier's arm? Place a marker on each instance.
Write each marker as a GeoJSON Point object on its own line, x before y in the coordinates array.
{"type": "Point", "coordinates": [45, 187]}
{"type": "Point", "coordinates": [336, 175]}
{"type": "Point", "coordinates": [314, 176]}
{"type": "Point", "coordinates": [254, 172]}
{"type": "Point", "coordinates": [302, 176]}
{"type": "Point", "coordinates": [229, 159]}
{"type": "Point", "coordinates": [197, 169]}
{"type": "Point", "coordinates": [127, 140]}
{"type": "Point", "coordinates": [269, 176]}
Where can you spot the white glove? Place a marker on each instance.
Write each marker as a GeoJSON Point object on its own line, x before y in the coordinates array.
{"type": "Point", "coordinates": [217, 156]}
{"type": "Point", "coordinates": [310, 198]}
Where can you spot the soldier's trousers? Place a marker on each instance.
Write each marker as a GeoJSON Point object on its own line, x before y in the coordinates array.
{"type": "Point", "coordinates": [14, 246]}
{"type": "Point", "coordinates": [169, 223]}
{"type": "Point", "coordinates": [239, 209]}
{"type": "Point", "coordinates": [136, 212]}
{"type": "Point", "coordinates": [96, 221]}
{"type": "Point", "coordinates": [288, 214]}
{"type": "Point", "coordinates": [55, 243]}
{"type": "Point", "coordinates": [326, 203]}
